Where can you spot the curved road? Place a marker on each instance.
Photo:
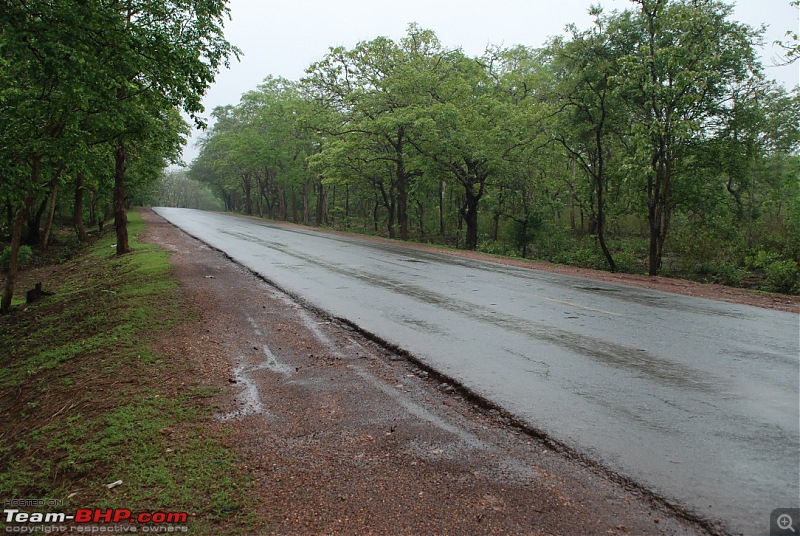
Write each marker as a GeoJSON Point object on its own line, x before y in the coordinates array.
{"type": "Point", "coordinates": [694, 399]}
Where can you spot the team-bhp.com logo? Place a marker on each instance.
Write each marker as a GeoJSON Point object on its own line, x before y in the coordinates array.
{"type": "Point", "coordinates": [88, 520]}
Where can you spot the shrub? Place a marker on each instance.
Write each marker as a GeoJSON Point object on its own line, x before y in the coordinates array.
{"type": "Point", "coordinates": [778, 275]}
{"type": "Point", "coordinates": [25, 257]}
{"type": "Point", "coordinates": [724, 273]}
{"type": "Point", "coordinates": [782, 276]}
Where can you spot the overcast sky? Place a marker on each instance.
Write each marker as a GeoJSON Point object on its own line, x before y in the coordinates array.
{"type": "Point", "coordinates": [283, 37]}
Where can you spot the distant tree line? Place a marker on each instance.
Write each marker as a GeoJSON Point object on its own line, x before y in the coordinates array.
{"type": "Point", "coordinates": [175, 189]}
{"type": "Point", "coordinates": [91, 95]}
{"type": "Point", "coordinates": [650, 142]}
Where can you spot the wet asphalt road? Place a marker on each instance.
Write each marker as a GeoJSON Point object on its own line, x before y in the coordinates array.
{"type": "Point", "coordinates": [694, 399]}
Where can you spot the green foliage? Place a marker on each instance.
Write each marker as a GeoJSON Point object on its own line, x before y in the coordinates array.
{"type": "Point", "coordinates": [176, 189]}
{"type": "Point", "coordinates": [582, 256]}
{"type": "Point", "coordinates": [99, 91]}
{"type": "Point", "coordinates": [781, 275]}
{"type": "Point", "coordinates": [523, 231]}
{"type": "Point", "coordinates": [25, 257]}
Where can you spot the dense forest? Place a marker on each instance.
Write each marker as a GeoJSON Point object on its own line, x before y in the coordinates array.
{"type": "Point", "coordinates": [650, 142]}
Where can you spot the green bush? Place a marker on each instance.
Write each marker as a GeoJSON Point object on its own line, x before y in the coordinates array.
{"type": "Point", "coordinates": [628, 261]}
{"type": "Point", "coordinates": [581, 256]}
{"type": "Point", "coordinates": [497, 248]}
{"type": "Point", "coordinates": [778, 275]}
{"type": "Point", "coordinates": [25, 257]}
{"type": "Point", "coordinates": [782, 276]}
{"type": "Point", "coordinates": [724, 273]}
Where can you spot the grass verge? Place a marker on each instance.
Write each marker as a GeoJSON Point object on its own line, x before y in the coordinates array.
{"type": "Point", "coordinates": [84, 401]}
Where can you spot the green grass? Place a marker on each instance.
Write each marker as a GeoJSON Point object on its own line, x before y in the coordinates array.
{"type": "Point", "coordinates": [85, 400]}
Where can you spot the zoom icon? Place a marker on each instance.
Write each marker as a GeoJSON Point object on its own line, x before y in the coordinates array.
{"type": "Point", "coordinates": [783, 522]}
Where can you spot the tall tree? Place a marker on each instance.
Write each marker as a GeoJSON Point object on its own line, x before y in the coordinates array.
{"type": "Point", "coordinates": [377, 87]}
{"type": "Point", "coordinates": [163, 55]}
{"type": "Point", "coordinates": [468, 132]}
{"type": "Point", "coordinates": [110, 71]}
{"type": "Point", "coordinates": [676, 77]}
{"type": "Point", "coordinates": [43, 89]}
{"type": "Point", "coordinates": [587, 65]}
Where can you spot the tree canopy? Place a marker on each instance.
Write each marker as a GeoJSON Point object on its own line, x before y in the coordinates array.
{"type": "Point", "coordinates": [97, 89]}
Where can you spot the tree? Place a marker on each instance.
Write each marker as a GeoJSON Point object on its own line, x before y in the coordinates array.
{"type": "Point", "coordinates": [469, 132]}
{"type": "Point", "coordinates": [42, 98]}
{"type": "Point", "coordinates": [792, 43]}
{"type": "Point", "coordinates": [376, 87]}
{"type": "Point", "coordinates": [256, 152]}
{"type": "Point", "coordinates": [109, 72]}
{"type": "Point", "coordinates": [164, 55]}
{"type": "Point", "coordinates": [176, 189]}
{"type": "Point", "coordinates": [685, 55]}
{"type": "Point", "coordinates": [586, 90]}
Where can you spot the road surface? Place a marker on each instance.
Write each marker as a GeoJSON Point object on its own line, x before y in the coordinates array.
{"type": "Point", "coordinates": [694, 399]}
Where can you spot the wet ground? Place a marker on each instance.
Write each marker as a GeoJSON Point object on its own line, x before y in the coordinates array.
{"type": "Point", "coordinates": [694, 399]}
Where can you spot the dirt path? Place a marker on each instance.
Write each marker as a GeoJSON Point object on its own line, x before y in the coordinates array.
{"type": "Point", "coordinates": [342, 436]}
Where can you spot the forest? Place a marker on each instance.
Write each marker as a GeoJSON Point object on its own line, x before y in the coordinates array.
{"type": "Point", "coordinates": [651, 142]}
{"type": "Point", "coordinates": [94, 98]}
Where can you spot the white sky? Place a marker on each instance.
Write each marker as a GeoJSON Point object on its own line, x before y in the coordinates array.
{"type": "Point", "coordinates": [284, 37]}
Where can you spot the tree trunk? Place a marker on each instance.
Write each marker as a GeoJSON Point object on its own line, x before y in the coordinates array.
{"type": "Point", "coordinates": [347, 205]}
{"type": "Point", "coordinates": [392, 208]}
{"type": "Point", "coordinates": [77, 212]}
{"type": "Point", "coordinates": [93, 210]}
{"type": "Point", "coordinates": [401, 178]}
{"type": "Point", "coordinates": [332, 209]}
{"type": "Point", "coordinates": [375, 209]}
{"type": "Point", "coordinates": [294, 204]}
{"type": "Point", "coordinates": [305, 202]}
{"type": "Point", "coordinates": [120, 216]}
{"type": "Point", "coordinates": [9, 217]}
{"type": "Point", "coordinates": [600, 183]}
{"type": "Point", "coordinates": [247, 185]}
{"type": "Point", "coordinates": [474, 176]}
{"type": "Point", "coordinates": [34, 217]}
{"type": "Point", "coordinates": [421, 209]}
{"type": "Point", "coordinates": [16, 239]}
{"type": "Point", "coordinates": [50, 214]}
{"type": "Point", "coordinates": [657, 209]}
{"type": "Point", "coordinates": [11, 276]}
{"type": "Point", "coordinates": [601, 235]}
{"type": "Point", "coordinates": [441, 209]}
{"type": "Point", "coordinates": [320, 202]}
{"type": "Point", "coordinates": [469, 212]}
{"type": "Point", "coordinates": [653, 250]}
{"type": "Point", "coordinates": [283, 204]}
{"type": "Point", "coordinates": [571, 183]}
{"type": "Point", "coordinates": [260, 204]}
